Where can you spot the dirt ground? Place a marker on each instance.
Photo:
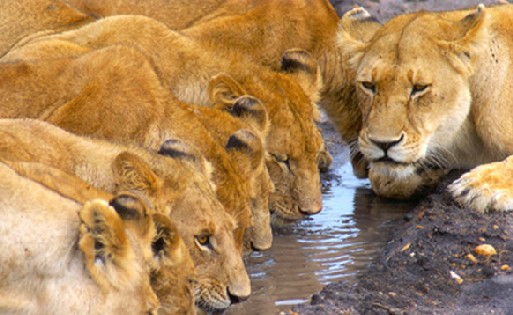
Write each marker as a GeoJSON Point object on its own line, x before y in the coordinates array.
{"type": "Point", "coordinates": [413, 273]}
{"type": "Point", "coordinates": [418, 270]}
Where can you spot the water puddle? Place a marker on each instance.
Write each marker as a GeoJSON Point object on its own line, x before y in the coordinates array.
{"type": "Point", "coordinates": [333, 245]}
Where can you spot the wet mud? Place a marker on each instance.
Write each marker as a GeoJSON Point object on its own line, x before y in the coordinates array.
{"type": "Point", "coordinates": [415, 273]}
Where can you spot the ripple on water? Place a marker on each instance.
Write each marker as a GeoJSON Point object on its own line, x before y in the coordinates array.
{"type": "Point", "coordinates": [330, 246]}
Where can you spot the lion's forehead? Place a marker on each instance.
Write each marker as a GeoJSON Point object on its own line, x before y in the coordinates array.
{"type": "Point", "coordinates": [390, 73]}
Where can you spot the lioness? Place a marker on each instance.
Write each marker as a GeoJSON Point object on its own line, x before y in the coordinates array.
{"type": "Point", "coordinates": [43, 271]}
{"type": "Point", "coordinates": [177, 182]}
{"type": "Point", "coordinates": [186, 70]}
{"type": "Point", "coordinates": [433, 89]}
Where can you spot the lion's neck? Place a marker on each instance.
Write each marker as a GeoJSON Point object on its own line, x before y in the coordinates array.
{"type": "Point", "coordinates": [491, 87]}
{"type": "Point", "coordinates": [467, 150]}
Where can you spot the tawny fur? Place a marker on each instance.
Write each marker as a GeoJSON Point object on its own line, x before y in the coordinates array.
{"type": "Point", "coordinates": [43, 271]}
{"type": "Point", "coordinates": [98, 94]}
{"type": "Point", "coordinates": [177, 187]}
{"type": "Point", "coordinates": [19, 18]}
{"type": "Point", "coordinates": [186, 69]}
{"type": "Point", "coordinates": [437, 85]}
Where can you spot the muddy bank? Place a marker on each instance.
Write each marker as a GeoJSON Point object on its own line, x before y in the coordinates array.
{"type": "Point", "coordinates": [413, 273]}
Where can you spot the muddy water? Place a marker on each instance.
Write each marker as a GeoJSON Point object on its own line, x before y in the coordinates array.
{"type": "Point", "coordinates": [333, 245]}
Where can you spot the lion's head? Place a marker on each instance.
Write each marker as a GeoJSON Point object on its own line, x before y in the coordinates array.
{"type": "Point", "coordinates": [294, 143]}
{"type": "Point", "coordinates": [243, 132]}
{"type": "Point", "coordinates": [177, 182]}
{"type": "Point", "coordinates": [413, 91]}
{"type": "Point", "coordinates": [188, 196]}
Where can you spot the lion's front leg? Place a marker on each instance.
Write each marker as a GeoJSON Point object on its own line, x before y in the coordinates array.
{"type": "Point", "coordinates": [488, 187]}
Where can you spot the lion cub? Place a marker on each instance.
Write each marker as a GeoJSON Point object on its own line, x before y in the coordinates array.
{"type": "Point", "coordinates": [176, 181]}
{"type": "Point", "coordinates": [293, 141]}
{"type": "Point", "coordinates": [43, 271]}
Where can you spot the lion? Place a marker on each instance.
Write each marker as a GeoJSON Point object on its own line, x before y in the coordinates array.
{"type": "Point", "coordinates": [43, 271]}
{"type": "Point", "coordinates": [187, 71]}
{"type": "Point", "coordinates": [177, 182]}
{"type": "Point", "coordinates": [432, 88]}
{"type": "Point", "coordinates": [171, 268]}
{"type": "Point", "coordinates": [229, 26]}
{"type": "Point", "coordinates": [158, 115]}
{"type": "Point", "coordinates": [250, 112]}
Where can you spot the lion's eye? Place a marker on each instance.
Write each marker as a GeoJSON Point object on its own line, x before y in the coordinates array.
{"type": "Point", "coordinates": [203, 240]}
{"type": "Point", "coordinates": [418, 88]}
{"type": "Point", "coordinates": [369, 86]}
{"type": "Point", "coordinates": [282, 158]}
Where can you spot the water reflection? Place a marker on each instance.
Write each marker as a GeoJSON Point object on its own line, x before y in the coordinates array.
{"type": "Point", "coordinates": [330, 246]}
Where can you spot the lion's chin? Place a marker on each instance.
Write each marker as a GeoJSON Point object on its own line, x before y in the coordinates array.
{"type": "Point", "coordinates": [402, 180]}
{"type": "Point", "coordinates": [393, 169]}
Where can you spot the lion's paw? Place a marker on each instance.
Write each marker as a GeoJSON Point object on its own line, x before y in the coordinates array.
{"type": "Point", "coordinates": [104, 242]}
{"type": "Point", "coordinates": [488, 187]}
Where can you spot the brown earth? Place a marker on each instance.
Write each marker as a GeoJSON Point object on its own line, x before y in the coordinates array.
{"type": "Point", "coordinates": [417, 271]}
{"type": "Point", "coordinates": [413, 273]}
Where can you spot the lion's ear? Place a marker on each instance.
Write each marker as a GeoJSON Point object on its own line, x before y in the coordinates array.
{"type": "Point", "coordinates": [251, 109]}
{"type": "Point", "coordinates": [166, 240]}
{"type": "Point", "coordinates": [245, 147]}
{"type": "Point", "coordinates": [129, 206]}
{"type": "Point", "coordinates": [305, 68]}
{"type": "Point", "coordinates": [223, 90]}
{"type": "Point", "coordinates": [356, 28]}
{"type": "Point", "coordinates": [471, 33]}
{"type": "Point", "coordinates": [180, 150]}
{"type": "Point", "coordinates": [133, 174]}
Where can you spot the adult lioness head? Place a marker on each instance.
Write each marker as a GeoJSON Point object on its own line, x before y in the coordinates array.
{"type": "Point", "coordinates": [294, 142]}
{"type": "Point", "coordinates": [414, 93]}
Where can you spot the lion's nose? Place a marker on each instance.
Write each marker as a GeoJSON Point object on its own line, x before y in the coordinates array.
{"type": "Point", "coordinates": [386, 144]}
{"type": "Point", "coordinates": [236, 298]}
{"type": "Point", "coordinates": [315, 208]}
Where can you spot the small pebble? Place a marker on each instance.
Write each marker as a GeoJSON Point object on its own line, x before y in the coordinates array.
{"type": "Point", "coordinates": [405, 247]}
{"type": "Point", "coordinates": [456, 277]}
{"type": "Point", "coordinates": [485, 250]}
{"type": "Point", "coordinates": [472, 258]}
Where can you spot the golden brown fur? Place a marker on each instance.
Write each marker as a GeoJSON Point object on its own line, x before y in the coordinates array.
{"type": "Point", "coordinates": [179, 187]}
{"type": "Point", "coordinates": [19, 18]}
{"type": "Point", "coordinates": [188, 78]}
{"type": "Point", "coordinates": [72, 93]}
{"type": "Point", "coordinates": [171, 267]}
{"type": "Point", "coordinates": [311, 25]}
{"type": "Point", "coordinates": [39, 267]}
{"type": "Point", "coordinates": [177, 14]}
{"type": "Point", "coordinates": [434, 90]}
{"type": "Point", "coordinates": [226, 130]}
